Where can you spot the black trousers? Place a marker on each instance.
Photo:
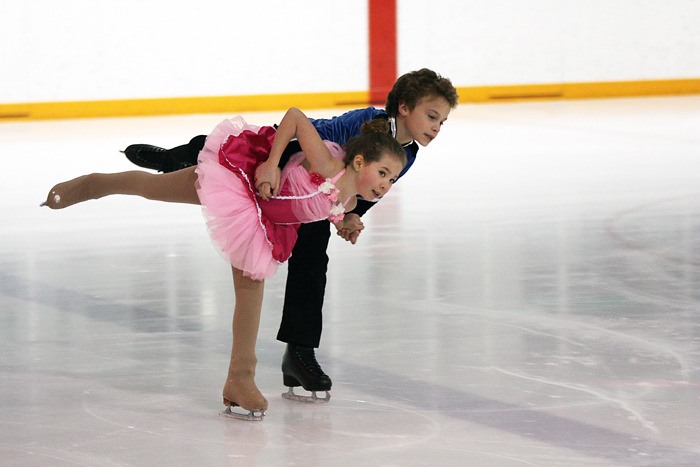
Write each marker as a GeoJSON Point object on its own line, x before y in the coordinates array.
{"type": "Point", "coordinates": [302, 316]}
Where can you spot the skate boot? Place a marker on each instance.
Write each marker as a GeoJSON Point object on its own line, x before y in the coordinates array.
{"type": "Point", "coordinates": [240, 391]}
{"type": "Point", "coordinates": [300, 368]}
{"type": "Point", "coordinates": [154, 158]}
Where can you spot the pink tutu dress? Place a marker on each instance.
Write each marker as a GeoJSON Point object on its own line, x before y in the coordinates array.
{"type": "Point", "coordinates": [254, 235]}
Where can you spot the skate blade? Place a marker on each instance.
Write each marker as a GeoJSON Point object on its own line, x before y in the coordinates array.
{"type": "Point", "coordinates": [252, 416]}
{"type": "Point", "coordinates": [312, 399]}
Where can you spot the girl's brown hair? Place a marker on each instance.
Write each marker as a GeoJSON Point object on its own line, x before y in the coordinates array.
{"type": "Point", "coordinates": [373, 142]}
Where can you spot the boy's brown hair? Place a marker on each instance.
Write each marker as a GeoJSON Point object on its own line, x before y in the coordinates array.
{"type": "Point", "coordinates": [412, 87]}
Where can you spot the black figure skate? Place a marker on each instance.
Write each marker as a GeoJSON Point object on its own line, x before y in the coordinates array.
{"type": "Point", "coordinates": [154, 158]}
{"type": "Point", "coordinates": [300, 368]}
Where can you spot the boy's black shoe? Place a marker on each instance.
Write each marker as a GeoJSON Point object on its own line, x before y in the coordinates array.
{"type": "Point", "coordinates": [154, 158]}
{"type": "Point", "coordinates": [300, 368]}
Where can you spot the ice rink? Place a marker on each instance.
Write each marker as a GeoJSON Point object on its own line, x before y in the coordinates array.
{"type": "Point", "coordinates": [528, 295]}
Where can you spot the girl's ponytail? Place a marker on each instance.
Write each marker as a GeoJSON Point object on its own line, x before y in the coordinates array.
{"type": "Point", "coordinates": [376, 125]}
{"type": "Point", "coordinates": [373, 142]}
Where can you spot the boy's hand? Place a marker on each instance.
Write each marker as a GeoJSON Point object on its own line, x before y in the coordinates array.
{"type": "Point", "coordinates": [267, 180]}
{"type": "Point", "coordinates": [350, 227]}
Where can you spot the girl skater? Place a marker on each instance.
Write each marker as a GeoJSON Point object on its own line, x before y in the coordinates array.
{"type": "Point", "coordinates": [255, 226]}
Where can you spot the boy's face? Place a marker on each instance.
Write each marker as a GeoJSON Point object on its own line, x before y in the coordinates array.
{"type": "Point", "coordinates": [423, 123]}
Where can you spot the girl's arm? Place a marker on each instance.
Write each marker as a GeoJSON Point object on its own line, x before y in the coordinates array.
{"type": "Point", "coordinates": [295, 124]}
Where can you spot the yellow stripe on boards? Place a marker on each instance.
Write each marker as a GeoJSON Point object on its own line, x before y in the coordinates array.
{"type": "Point", "coordinates": [179, 105]}
{"type": "Point", "coordinates": [273, 102]}
{"type": "Point", "coordinates": [578, 90]}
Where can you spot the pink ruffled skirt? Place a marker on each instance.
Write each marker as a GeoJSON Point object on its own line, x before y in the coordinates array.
{"type": "Point", "coordinates": [225, 186]}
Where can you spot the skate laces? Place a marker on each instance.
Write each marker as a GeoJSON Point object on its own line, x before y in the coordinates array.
{"type": "Point", "coordinates": [307, 359]}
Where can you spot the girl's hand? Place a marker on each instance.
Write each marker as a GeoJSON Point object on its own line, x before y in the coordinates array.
{"type": "Point", "coordinates": [350, 227]}
{"type": "Point", "coordinates": [267, 180]}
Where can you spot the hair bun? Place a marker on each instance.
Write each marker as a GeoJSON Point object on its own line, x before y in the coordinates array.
{"type": "Point", "coordinates": [376, 125]}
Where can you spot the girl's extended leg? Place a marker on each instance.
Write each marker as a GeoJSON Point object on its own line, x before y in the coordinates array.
{"type": "Point", "coordinates": [174, 187]}
{"type": "Point", "coordinates": [240, 388]}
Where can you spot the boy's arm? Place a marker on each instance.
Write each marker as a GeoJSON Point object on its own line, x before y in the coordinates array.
{"type": "Point", "coordinates": [362, 207]}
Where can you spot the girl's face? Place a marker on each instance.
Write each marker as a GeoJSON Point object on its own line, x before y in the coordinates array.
{"type": "Point", "coordinates": [423, 123]}
{"type": "Point", "coordinates": [374, 179]}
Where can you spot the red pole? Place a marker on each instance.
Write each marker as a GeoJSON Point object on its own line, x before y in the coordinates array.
{"type": "Point", "coordinates": [382, 49]}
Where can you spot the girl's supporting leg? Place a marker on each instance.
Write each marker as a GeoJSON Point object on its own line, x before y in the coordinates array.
{"type": "Point", "coordinates": [174, 187]}
{"type": "Point", "coordinates": [240, 388]}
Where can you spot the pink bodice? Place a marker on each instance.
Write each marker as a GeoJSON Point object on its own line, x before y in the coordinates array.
{"type": "Point", "coordinates": [305, 196]}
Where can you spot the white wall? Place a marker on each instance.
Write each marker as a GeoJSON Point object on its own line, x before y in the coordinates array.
{"type": "Point", "coordinates": [495, 42]}
{"type": "Point", "coordinates": [68, 50]}
{"type": "Point", "coordinates": [57, 50]}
